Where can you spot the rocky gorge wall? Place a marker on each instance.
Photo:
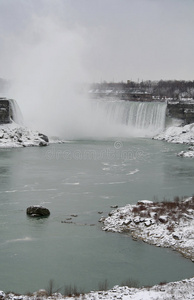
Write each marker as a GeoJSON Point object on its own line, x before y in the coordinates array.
{"type": "Point", "coordinates": [5, 111]}
{"type": "Point", "coordinates": [183, 110]}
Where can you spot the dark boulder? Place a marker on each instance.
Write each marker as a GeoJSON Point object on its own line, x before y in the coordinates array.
{"type": "Point", "coordinates": [44, 137]}
{"type": "Point", "coordinates": [37, 211]}
{"type": "Point", "coordinates": [43, 144]}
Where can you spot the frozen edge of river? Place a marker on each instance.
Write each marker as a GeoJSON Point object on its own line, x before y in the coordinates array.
{"type": "Point", "coordinates": [179, 135]}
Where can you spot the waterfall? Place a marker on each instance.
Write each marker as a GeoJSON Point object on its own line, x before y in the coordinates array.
{"type": "Point", "coordinates": [140, 118]}
{"type": "Point", "coordinates": [15, 112]}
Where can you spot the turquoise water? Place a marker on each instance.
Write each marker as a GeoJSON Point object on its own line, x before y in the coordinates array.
{"type": "Point", "coordinates": [84, 178]}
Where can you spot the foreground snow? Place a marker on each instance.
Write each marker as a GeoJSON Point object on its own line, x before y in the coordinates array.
{"type": "Point", "coordinates": [174, 290]}
{"type": "Point", "coordinates": [13, 135]}
{"type": "Point", "coordinates": [179, 135]}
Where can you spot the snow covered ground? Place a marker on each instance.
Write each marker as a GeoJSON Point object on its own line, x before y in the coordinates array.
{"type": "Point", "coordinates": [13, 135]}
{"type": "Point", "coordinates": [179, 135]}
{"type": "Point", "coordinates": [174, 290]}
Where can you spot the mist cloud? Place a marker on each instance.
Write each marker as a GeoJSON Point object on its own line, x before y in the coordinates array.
{"type": "Point", "coordinates": [45, 72]}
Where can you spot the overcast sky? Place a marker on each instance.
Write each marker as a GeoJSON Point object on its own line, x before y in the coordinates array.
{"type": "Point", "coordinates": [112, 40]}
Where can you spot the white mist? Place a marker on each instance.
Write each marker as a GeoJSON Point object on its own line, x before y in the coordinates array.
{"type": "Point", "coordinates": [48, 76]}
{"type": "Point", "coordinates": [46, 70]}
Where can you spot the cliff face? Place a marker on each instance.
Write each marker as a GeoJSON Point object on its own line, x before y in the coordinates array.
{"type": "Point", "coordinates": [181, 110]}
{"type": "Point", "coordinates": [10, 112]}
{"type": "Point", "coordinates": [12, 131]}
{"type": "Point", "coordinates": [5, 111]}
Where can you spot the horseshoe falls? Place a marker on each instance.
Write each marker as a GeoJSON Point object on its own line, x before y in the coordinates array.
{"type": "Point", "coordinates": [130, 118]}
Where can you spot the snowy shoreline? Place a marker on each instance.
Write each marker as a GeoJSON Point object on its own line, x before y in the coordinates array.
{"type": "Point", "coordinates": [163, 224]}
{"type": "Point", "coordinates": [14, 136]}
{"type": "Point", "coordinates": [183, 289]}
{"type": "Point", "coordinates": [179, 135]}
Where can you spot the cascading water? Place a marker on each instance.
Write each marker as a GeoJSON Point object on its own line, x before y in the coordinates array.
{"type": "Point", "coordinates": [140, 118]}
{"type": "Point", "coordinates": [15, 112]}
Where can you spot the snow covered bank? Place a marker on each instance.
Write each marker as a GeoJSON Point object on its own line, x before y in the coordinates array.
{"type": "Point", "coordinates": [179, 135]}
{"type": "Point", "coordinates": [174, 290]}
{"type": "Point", "coordinates": [164, 224]}
{"type": "Point", "coordinates": [13, 135]}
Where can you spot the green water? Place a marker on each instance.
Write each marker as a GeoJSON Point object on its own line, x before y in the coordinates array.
{"type": "Point", "coordinates": [84, 178]}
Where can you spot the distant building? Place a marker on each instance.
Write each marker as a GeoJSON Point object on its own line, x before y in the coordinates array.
{"type": "Point", "coordinates": [137, 96]}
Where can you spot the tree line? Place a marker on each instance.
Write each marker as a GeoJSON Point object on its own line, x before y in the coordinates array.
{"type": "Point", "coordinates": [164, 88]}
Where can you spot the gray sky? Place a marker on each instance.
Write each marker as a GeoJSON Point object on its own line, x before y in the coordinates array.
{"type": "Point", "coordinates": [102, 39]}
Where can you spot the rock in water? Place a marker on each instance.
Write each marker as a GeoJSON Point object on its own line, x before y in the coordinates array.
{"type": "Point", "coordinates": [37, 211]}
{"type": "Point", "coordinates": [44, 137]}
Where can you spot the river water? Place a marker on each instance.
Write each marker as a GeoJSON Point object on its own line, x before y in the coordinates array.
{"type": "Point", "coordinates": [85, 178]}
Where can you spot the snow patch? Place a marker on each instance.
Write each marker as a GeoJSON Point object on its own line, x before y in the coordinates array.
{"type": "Point", "coordinates": [164, 224]}
{"type": "Point", "coordinates": [179, 135]}
{"type": "Point", "coordinates": [13, 135]}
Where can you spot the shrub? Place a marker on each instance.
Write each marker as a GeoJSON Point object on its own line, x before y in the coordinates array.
{"type": "Point", "coordinates": [142, 207]}
{"type": "Point", "coordinates": [50, 289]}
{"type": "Point", "coordinates": [72, 291]}
{"type": "Point", "coordinates": [103, 286]}
{"type": "Point", "coordinates": [162, 283]}
{"type": "Point", "coordinates": [177, 199]}
{"type": "Point", "coordinates": [135, 210]}
{"type": "Point", "coordinates": [131, 283]}
{"type": "Point", "coordinates": [169, 205]}
{"type": "Point", "coordinates": [170, 227]}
